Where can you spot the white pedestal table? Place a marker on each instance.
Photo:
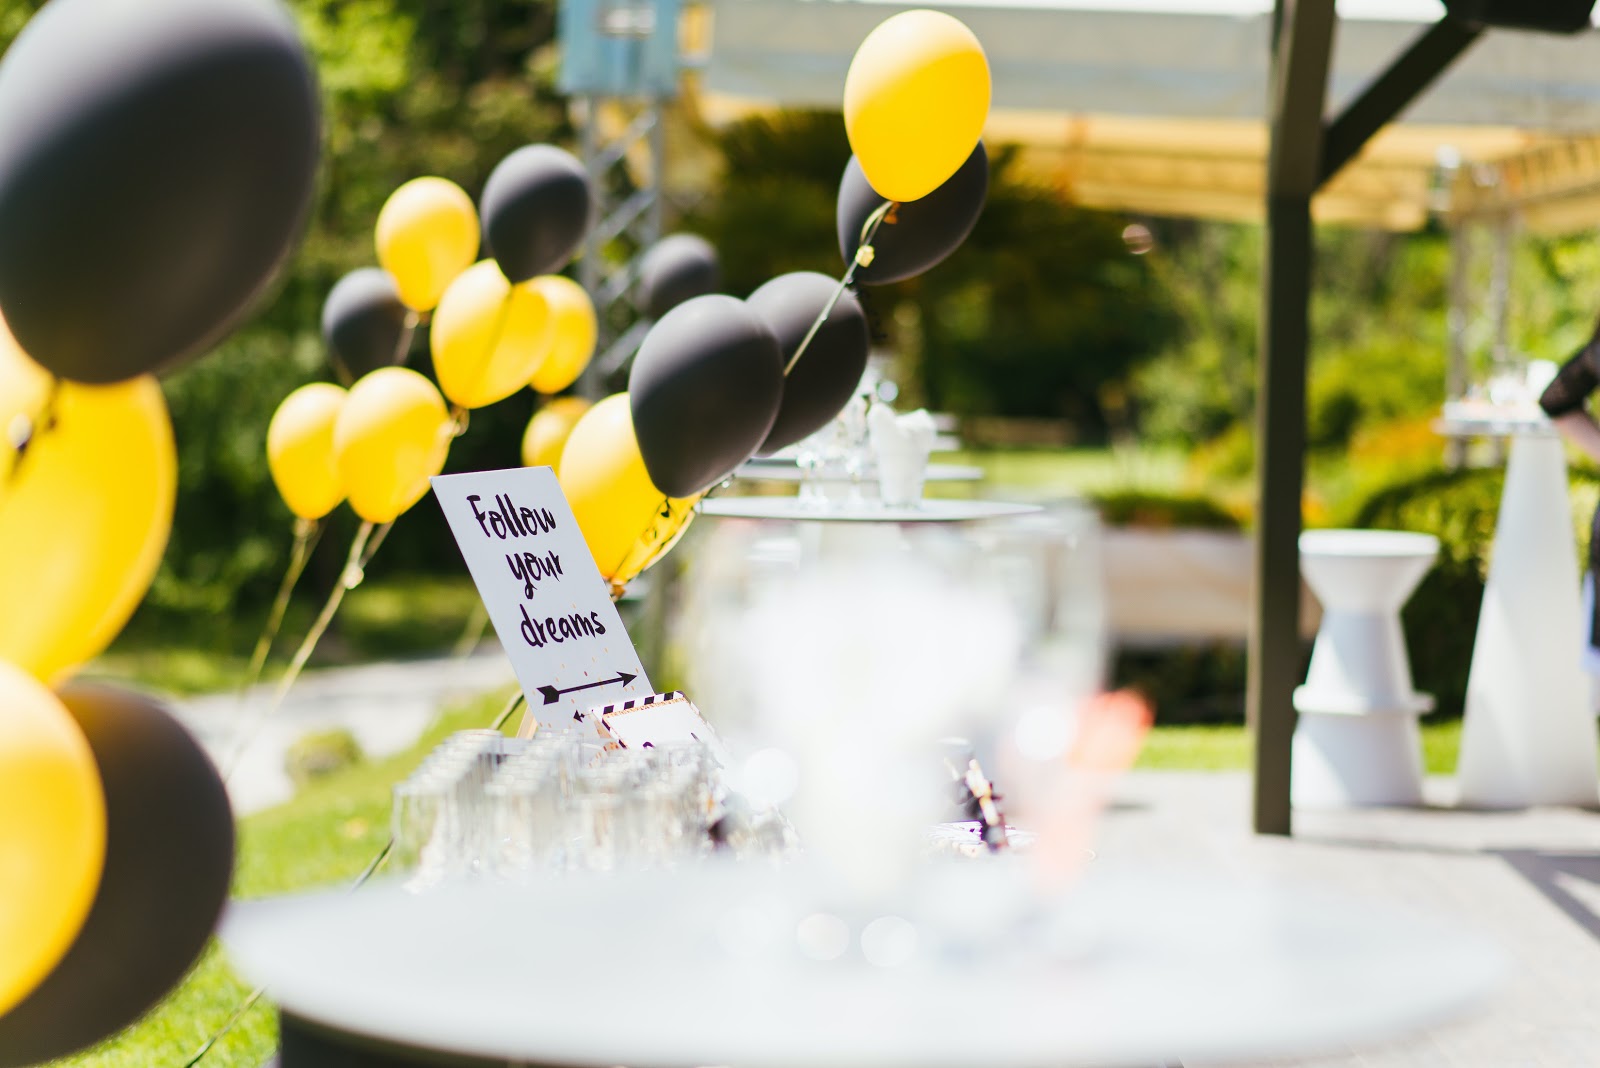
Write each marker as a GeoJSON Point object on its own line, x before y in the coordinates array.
{"type": "Point", "coordinates": [1529, 735]}
{"type": "Point", "coordinates": [1357, 741]}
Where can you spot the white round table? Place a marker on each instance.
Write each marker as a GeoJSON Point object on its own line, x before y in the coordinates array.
{"type": "Point", "coordinates": [704, 966]}
{"type": "Point", "coordinates": [790, 472]}
{"type": "Point", "coordinates": [931, 510]}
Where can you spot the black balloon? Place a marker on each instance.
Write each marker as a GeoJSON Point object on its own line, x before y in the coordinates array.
{"type": "Point", "coordinates": [704, 390]}
{"type": "Point", "coordinates": [915, 235]}
{"type": "Point", "coordinates": [169, 860]}
{"type": "Point", "coordinates": [828, 373]}
{"type": "Point", "coordinates": [363, 321]}
{"type": "Point", "coordinates": [677, 268]}
{"type": "Point", "coordinates": [537, 208]}
{"type": "Point", "coordinates": [156, 165]}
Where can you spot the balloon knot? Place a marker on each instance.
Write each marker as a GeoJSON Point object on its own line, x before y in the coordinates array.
{"type": "Point", "coordinates": [864, 256]}
{"type": "Point", "coordinates": [20, 431]}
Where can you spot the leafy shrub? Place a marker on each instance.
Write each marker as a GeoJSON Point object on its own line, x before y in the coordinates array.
{"type": "Point", "coordinates": [1187, 684]}
{"type": "Point", "coordinates": [1441, 619]}
{"type": "Point", "coordinates": [1160, 511]}
{"type": "Point", "coordinates": [1228, 457]}
{"type": "Point", "coordinates": [321, 753]}
{"type": "Point", "coordinates": [1459, 508]}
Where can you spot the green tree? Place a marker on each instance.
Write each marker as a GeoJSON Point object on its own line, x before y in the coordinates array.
{"type": "Point", "coordinates": [1042, 312]}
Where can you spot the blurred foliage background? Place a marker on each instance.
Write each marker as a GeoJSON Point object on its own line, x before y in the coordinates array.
{"type": "Point", "coordinates": [1049, 314]}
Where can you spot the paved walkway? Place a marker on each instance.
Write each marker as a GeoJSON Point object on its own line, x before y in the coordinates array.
{"type": "Point", "coordinates": [1531, 880]}
{"type": "Point", "coordinates": [386, 706]}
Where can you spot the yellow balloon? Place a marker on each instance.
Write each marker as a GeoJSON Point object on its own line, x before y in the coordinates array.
{"type": "Point", "coordinates": [915, 102]}
{"type": "Point", "coordinates": [488, 336]}
{"type": "Point", "coordinates": [391, 436]}
{"type": "Point", "coordinates": [52, 833]}
{"type": "Point", "coordinates": [627, 523]}
{"type": "Point", "coordinates": [300, 449]}
{"type": "Point", "coordinates": [575, 331]}
{"type": "Point", "coordinates": [549, 429]}
{"type": "Point", "coordinates": [84, 512]}
{"type": "Point", "coordinates": [427, 234]}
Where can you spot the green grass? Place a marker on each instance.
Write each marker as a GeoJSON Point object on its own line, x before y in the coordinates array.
{"type": "Point", "coordinates": [1088, 471]}
{"type": "Point", "coordinates": [1227, 748]}
{"type": "Point", "coordinates": [203, 653]}
{"type": "Point", "coordinates": [325, 836]}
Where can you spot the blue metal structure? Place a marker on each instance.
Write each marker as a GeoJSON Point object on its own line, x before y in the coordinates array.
{"type": "Point", "coordinates": [619, 58]}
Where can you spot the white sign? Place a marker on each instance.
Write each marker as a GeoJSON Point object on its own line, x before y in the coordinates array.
{"type": "Point", "coordinates": [545, 596]}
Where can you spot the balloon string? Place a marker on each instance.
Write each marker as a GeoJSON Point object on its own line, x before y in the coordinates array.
{"type": "Point", "coordinates": [25, 430]}
{"type": "Point", "coordinates": [367, 873]}
{"type": "Point", "coordinates": [862, 258]}
{"type": "Point", "coordinates": [340, 371]}
{"type": "Point", "coordinates": [664, 509]}
{"type": "Point", "coordinates": [354, 571]}
{"type": "Point", "coordinates": [402, 348]}
{"type": "Point", "coordinates": [472, 633]}
{"type": "Point", "coordinates": [238, 1014]}
{"type": "Point", "coordinates": [307, 533]}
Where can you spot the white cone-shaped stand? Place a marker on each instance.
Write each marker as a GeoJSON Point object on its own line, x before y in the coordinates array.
{"type": "Point", "coordinates": [1529, 738]}
{"type": "Point", "coordinates": [1357, 741]}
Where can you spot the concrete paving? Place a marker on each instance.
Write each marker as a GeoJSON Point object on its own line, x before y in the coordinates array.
{"type": "Point", "coordinates": [385, 705]}
{"type": "Point", "coordinates": [1530, 880]}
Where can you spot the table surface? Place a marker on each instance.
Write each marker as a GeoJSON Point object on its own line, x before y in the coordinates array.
{"type": "Point", "coordinates": [931, 510]}
{"type": "Point", "coordinates": [790, 472]}
{"type": "Point", "coordinates": [701, 967]}
{"type": "Point", "coordinates": [1495, 426]}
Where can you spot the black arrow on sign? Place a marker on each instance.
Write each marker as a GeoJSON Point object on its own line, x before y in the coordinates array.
{"type": "Point", "coordinates": [552, 695]}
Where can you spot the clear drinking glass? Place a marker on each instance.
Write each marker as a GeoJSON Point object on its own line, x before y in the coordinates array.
{"type": "Point", "coordinates": [417, 825]}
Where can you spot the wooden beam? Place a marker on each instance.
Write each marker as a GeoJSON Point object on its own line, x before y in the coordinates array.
{"type": "Point", "coordinates": [1303, 47]}
{"type": "Point", "coordinates": [1390, 92]}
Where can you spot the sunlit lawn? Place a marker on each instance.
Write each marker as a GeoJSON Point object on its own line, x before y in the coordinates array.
{"type": "Point", "coordinates": [1085, 471]}
{"type": "Point", "coordinates": [387, 619]}
{"type": "Point", "coordinates": [1227, 748]}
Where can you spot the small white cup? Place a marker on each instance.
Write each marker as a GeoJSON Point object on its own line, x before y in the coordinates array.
{"type": "Point", "coordinates": [901, 445]}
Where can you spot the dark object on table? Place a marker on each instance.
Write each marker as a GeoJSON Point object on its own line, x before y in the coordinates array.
{"type": "Point", "coordinates": [975, 794]}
